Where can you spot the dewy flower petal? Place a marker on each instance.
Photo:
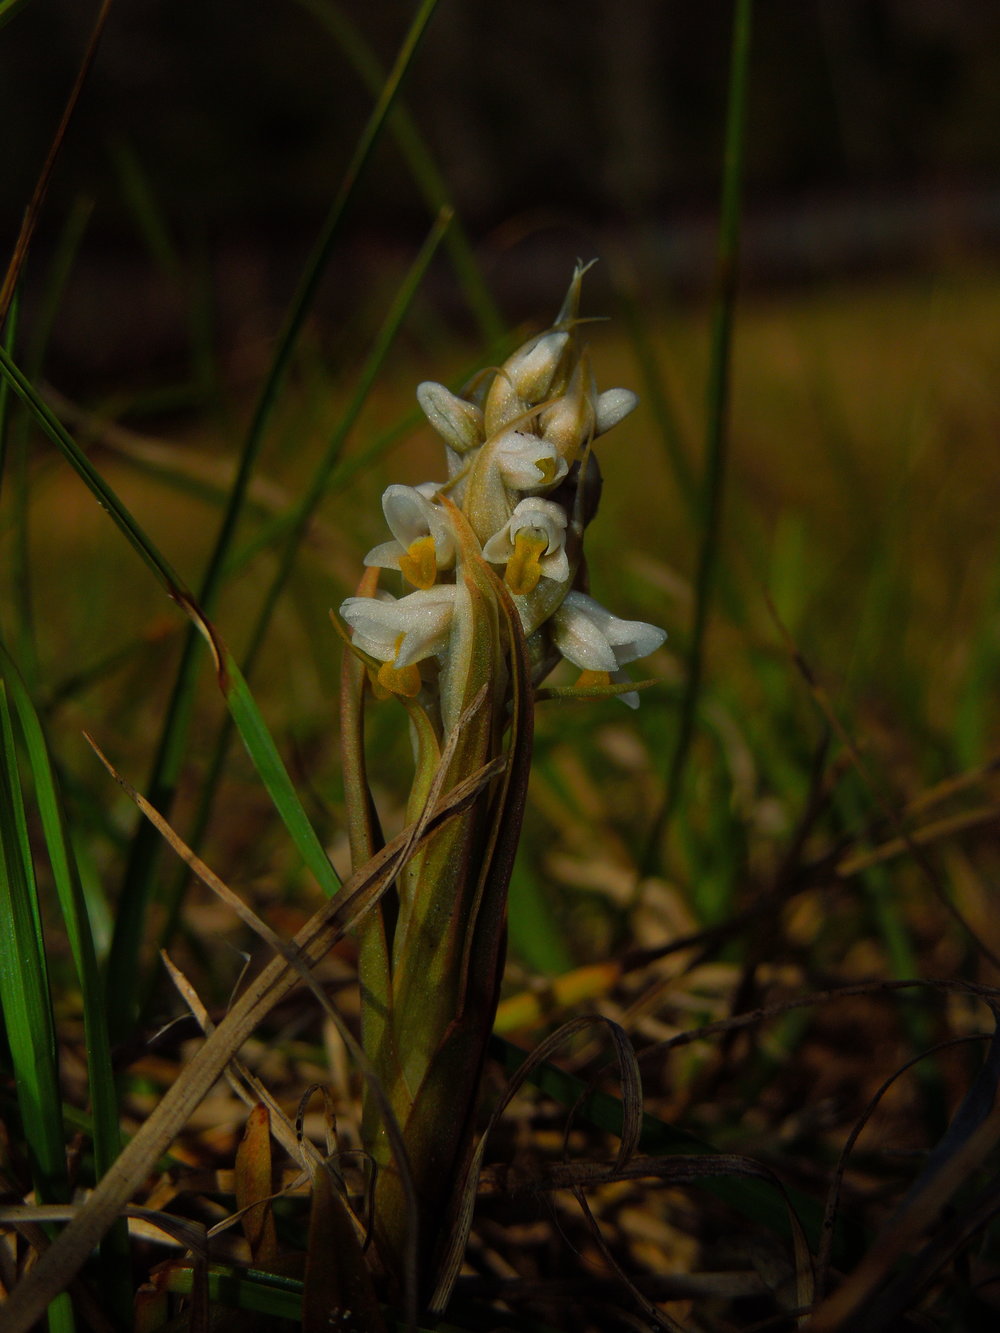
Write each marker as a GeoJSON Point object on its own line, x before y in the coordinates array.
{"type": "Point", "coordinates": [594, 640]}
{"type": "Point", "coordinates": [424, 541]}
{"type": "Point", "coordinates": [527, 463]}
{"type": "Point", "coordinates": [406, 631]}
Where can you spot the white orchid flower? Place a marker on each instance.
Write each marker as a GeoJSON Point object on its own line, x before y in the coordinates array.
{"type": "Point", "coordinates": [527, 463]}
{"type": "Point", "coordinates": [532, 544]}
{"type": "Point", "coordinates": [600, 643]}
{"type": "Point", "coordinates": [402, 633]}
{"type": "Point", "coordinates": [424, 541]}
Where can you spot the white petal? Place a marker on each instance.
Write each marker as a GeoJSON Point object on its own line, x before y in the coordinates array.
{"type": "Point", "coordinates": [499, 549]}
{"type": "Point", "coordinates": [614, 405]}
{"type": "Point", "coordinates": [524, 460]}
{"type": "Point", "coordinates": [385, 555]}
{"type": "Point", "coordinates": [555, 565]}
{"type": "Point", "coordinates": [545, 517]}
{"type": "Point", "coordinates": [580, 641]}
{"type": "Point", "coordinates": [411, 515]}
{"type": "Point", "coordinates": [627, 639]}
{"type": "Point", "coordinates": [423, 618]}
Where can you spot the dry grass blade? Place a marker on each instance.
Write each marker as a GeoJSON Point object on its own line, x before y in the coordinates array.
{"type": "Point", "coordinates": [338, 1290]}
{"type": "Point", "coordinates": [823, 1258]}
{"type": "Point", "coordinates": [34, 209]}
{"type": "Point", "coordinates": [679, 1169]}
{"type": "Point", "coordinates": [657, 1318]}
{"type": "Point", "coordinates": [907, 838]}
{"type": "Point", "coordinates": [631, 1129]}
{"type": "Point", "coordinates": [29, 1300]}
{"type": "Point", "coordinates": [972, 1134]}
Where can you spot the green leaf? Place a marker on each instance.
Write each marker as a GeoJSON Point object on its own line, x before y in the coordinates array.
{"type": "Point", "coordinates": [100, 1074]}
{"type": "Point", "coordinates": [25, 999]}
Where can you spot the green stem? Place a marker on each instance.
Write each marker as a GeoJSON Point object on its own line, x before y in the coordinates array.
{"type": "Point", "coordinates": [717, 426]}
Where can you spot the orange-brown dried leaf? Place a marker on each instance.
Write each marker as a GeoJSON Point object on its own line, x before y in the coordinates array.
{"type": "Point", "coordinates": [253, 1177]}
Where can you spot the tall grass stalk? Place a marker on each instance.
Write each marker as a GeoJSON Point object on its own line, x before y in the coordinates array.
{"type": "Point", "coordinates": [717, 419]}
{"type": "Point", "coordinates": [138, 884]}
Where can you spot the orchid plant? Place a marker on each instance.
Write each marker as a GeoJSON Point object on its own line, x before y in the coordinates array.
{"type": "Point", "coordinates": [492, 595]}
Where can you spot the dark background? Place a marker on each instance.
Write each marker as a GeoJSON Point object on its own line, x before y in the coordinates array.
{"type": "Point", "coordinates": [872, 137]}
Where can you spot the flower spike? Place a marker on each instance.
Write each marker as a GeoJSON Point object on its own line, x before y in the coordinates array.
{"type": "Point", "coordinates": [489, 571]}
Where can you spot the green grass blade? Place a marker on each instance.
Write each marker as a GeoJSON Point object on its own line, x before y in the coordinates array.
{"type": "Point", "coordinates": [107, 1139]}
{"type": "Point", "coordinates": [82, 465]}
{"type": "Point", "coordinates": [100, 1075]}
{"type": "Point", "coordinates": [268, 763]}
{"type": "Point", "coordinates": [717, 418]}
{"type": "Point", "coordinates": [296, 522]}
{"type": "Point", "coordinates": [24, 984]}
{"type": "Point", "coordinates": [245, 713]}
{"type": "Point", "coordinates": [6, 402]}
{"type": "Point", "coordinates": [25, 999]}
{"type": "Point", "coordinates": [161, 786]}
{"type": "Point", "coordinates": [8, 9]}
{"type": "Point", "coordinates": [418, 157]}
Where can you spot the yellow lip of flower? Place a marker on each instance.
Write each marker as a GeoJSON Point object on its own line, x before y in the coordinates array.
{"type": "Point", "coordinates": [524, 568]}
{"type": "Point", "coordinates": [399, 680]}
{"type": "Point", "coordinates": [532, 544]}
{"type": "Point", "coordinates": [588, 678]}
{"type": "Point", "coordinates": [527, 463]}
{"type": "Point", "coordinates": [419, 562]}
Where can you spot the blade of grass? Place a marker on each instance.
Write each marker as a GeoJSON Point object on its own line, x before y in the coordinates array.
{"type": "Point", "coordinates": [100, 1076]}
{"type": "Point", "coordinates": [260, 745]}
{"type": "Point", "coordinates": [60, 1263]}
{"type": "Point", "coordinates": [22, 574]}
{"type": "Point", "coordinates": [717, 431]}
{"type": "Point", "coordinates": [138, 886]}
{"type": "Point", "coordinates": [8, 8]}
{"type": "Point", "coordinates": [155, 232]}
{"type": "Point", "coordinates": [298, 519]}
{"type": "Point", "coordinates": [25, 998]}
{"type": "Point", "coordinates": [9, 342]}
{"type": "Point", "coordinates": [33, 211]}
{"type": "Point", "coordinates": [14, 469]}
{"type": "Point", "coordinates": [418, 157]}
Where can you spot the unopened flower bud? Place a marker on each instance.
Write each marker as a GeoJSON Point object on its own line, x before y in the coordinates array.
{"type": "Point", "coordinates": [612, 406]}
{"type": "Point", "coordinates": [459, 423]}
{"type": "Point", "coordinates": [524, 379]}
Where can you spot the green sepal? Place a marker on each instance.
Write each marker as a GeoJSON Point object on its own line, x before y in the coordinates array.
{"type": "Point", "coordinates": [592, 691]}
